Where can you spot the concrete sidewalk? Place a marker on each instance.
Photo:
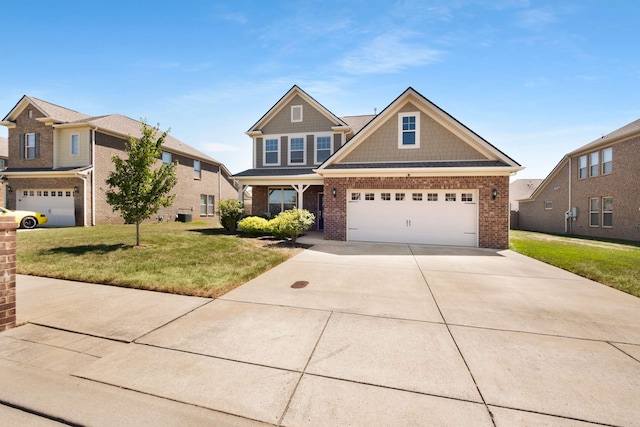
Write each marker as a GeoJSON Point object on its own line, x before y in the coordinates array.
{"type": "Point", "coordinates": [381, 334]}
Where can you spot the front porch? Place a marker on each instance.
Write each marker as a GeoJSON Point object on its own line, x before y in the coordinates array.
{"type": "Point", "coordinates": [271, 200]}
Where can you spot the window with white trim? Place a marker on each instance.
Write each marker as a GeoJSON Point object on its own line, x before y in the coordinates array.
{"type": "Point", "coordinates": [197, 169]}
{"type": "Point", "coordinates": [75, 144]}
{"type": "Point", "coordinates": [607, 161]}
{"type": "Point", "coordinates": [272, 151]}
{"type": "Point", "coordinates": [582, 167]}
{"type": "Point", "coordinates": [30, 146]}
{"type": "Point", "coordinates": [282, 199]}
{"type": "Point", "coordinates": [594, 164]}
{"type": "Point", "coordinates": [296, 151]}
{"type": "Point", "coordinates": [594, 212]}
{"type": "Point", "coordinates": [323, 148]}
{"type": "Point", "coordinates": [409, 130]}
{"type": "Point", "coordinates": [166, 157]}
{"type": "Point", "coordinates": [607, 212]}
{"type": "Point", "coordinates": [296, 113]}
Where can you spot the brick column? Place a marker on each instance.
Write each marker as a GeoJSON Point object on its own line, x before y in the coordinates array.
{"type": "Point", "coordinates": [7, 273]}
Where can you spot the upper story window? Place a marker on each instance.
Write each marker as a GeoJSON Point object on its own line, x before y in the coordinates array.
{"type": "Point", "coordinates": [607, 161]}
{"type": "Point", "coordinates": [594, 164]}
{"type": "Point", "coordinates": [582, 167]}
{"type": "Point", "coordinates": [296, 150]}
{"type": "Point", "coordinates": [323, 148]}
{"type": "Point", "coordinates": [29, 146]}
{"type": "Point", "coordinates": [272, 152]}
{"type": "Point", "coordinates": [197, 169]}
{"type": "Point", "coordinates": [75, 144]}
{"type": "Point", "coordinates": [3, 164]}
{"type": "Point", "coordinates": [166, 157]}
{"type": "Point", "coordinates": [409, 130]}
{"type": "Point", "coordinates": [296, 113]}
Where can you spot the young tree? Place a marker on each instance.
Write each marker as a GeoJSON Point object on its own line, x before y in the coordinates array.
{"type": "Point", "coordinates": [136, 187]}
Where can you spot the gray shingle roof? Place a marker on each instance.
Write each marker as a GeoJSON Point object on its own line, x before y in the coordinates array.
{"type": "Point", "coordinates": [417, 165]}
{"type": "Point", "coordinates": [357, 122]}
{"type": "Point", "coordinates": [57, 112]}
{"type": "Point", "coordinates": [631, 128]}
{"type": "Point", "coordinates": [265, 172]}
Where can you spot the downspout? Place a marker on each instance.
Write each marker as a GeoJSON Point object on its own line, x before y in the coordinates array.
{"type": "Point", "coordinates": [93, 176]}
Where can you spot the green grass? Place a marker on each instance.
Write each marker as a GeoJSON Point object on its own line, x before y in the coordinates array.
{"type": "Point", "coordinates": [615, 264]}
{"type": "Point", "coordinates": [182, 258]}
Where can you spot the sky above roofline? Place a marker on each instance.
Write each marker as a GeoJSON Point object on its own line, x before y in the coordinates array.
{"type": "Point", "coordinates": [537, 79]}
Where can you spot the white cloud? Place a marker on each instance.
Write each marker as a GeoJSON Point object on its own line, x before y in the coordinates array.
{"type": "Point", "coordinates": [388, 53]}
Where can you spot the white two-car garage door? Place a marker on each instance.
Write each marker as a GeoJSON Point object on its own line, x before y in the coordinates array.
{"type": "Point", "coordinates": [57, 204]}
{"type": "Point", "coordinates": [432, 217]}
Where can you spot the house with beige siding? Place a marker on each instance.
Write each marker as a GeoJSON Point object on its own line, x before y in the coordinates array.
{"type": "Point", "coordinates": [410, 174]}
{"type": "Point", "coordinates": [60, 159]}
{"type": "Point", "coordinates": [592, 191]}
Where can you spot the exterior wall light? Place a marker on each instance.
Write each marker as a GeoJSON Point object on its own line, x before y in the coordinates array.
{"type": "Point", "coordinates": [494, 193]}
{"type": "Point", "coordinates": [75, 189]}
{"type": "Point", "coordinates": [9, 189]}
{"type": "Point", "coordinates": [334, 192]}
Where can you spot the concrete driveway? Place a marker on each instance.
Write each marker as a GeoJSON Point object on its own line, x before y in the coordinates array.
{"type": "Point", "coordinates": [370, 334]}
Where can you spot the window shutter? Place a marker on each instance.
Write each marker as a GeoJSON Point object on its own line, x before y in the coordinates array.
{"type": "Point", "coordinates": [21, 146]}
{"type": "Point", "coordinates": [37, 145]}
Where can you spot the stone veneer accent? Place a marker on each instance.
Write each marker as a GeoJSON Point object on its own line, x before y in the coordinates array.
{"type": "Point", "coordinates": [493, 215]}
{"type": "Point", "coordinates": [7, 273]}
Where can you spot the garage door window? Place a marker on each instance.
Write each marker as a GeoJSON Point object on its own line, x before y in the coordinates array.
{"type": "Point", "coordinates": [369, 196]}
{"type": "Point", "coordinates": [385, 196]}
{"type": "Point", "coordinates": [432, 197]}
{"type": "Point", "coordinates": [399, 197]}
{"type": "Point", "coordinates": [355, 196]}
{"type": "Point", "coordinates": [450, 197]}
{"type": "Point", "coordinates": [466, 197]}
{"type": "Point", "coordinates": [417, 197]}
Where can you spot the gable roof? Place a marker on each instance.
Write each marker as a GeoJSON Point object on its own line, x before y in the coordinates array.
{"type": "Point", "coordinates": [55, 112]}
{"type": "Point", "coordinates": [282, 102]}
{"type": "Point", "coordinates": [492, 153]}
{"type": "Point", "coordinates": [117, 124]}
{"type": "Point", "coordinates": [624, 132]}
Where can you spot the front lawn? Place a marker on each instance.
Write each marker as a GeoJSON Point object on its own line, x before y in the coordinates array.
{"type": "Point", "coordinates": [610, 263]}
{"type": "Point", "coordinates": [183, 258]}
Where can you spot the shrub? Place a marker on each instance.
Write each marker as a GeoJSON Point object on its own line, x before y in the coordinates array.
{"type": "Point", "coordinates": [291, 223]}
{"type": "Point", "coordinates": [230, 211]}
{"type": "Point", "coordinates": [254, 225]}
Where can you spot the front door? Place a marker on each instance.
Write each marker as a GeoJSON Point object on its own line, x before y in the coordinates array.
{"type": "Point", "coordinates": [320, 219]}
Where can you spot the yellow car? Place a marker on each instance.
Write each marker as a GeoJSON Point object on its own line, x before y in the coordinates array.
{"type": "Point", "coordinates": [26, 219]}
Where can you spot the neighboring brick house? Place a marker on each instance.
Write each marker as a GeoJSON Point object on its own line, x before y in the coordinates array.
{"type": "Point", "coordinates": [592, 191]}
{"type": "Point", "coordinates": [60, 159]}
{"type": "Point", "coordinates": [411, 174]}
{"type": "Point", "coordinates": [520, 189]}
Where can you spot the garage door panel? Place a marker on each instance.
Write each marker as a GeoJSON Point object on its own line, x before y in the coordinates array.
{"type": "Point", "coordinates": [438, 217]}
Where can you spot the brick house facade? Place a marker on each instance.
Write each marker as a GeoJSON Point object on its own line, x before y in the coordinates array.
{"type": "Point", "coordinates": [60, 160]}
{"type": "Point", "coordinates": [598, 183]}
{"type": "Point", "coordinates": [410, 174]}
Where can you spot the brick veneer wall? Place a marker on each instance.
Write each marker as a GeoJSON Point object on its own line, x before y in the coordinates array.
{"type": "Point", "coordinates": [7, 273]}
{"type": "Point", "coordinates": [493, 215]}
{"type": "Point", "coordinates": [24, 125]}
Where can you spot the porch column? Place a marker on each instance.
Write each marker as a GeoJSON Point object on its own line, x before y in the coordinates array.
{"type": "Point", "coordinates": [241, 189]}
{"type": "Point", "coordinates": [300, 189]}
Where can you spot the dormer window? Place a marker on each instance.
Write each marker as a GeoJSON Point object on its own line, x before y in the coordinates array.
{"type": "Point", "coordinates": [409, 130]}
{"type": "Point", "coordinates": [296, 113]}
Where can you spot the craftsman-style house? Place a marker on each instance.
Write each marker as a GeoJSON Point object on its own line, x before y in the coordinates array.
{"type": "Point", "coordinates": [410, 174]}
{"type": "Point", "coordinates": [59, 160]}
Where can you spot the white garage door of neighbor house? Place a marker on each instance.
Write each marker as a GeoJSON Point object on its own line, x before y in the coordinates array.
{"type": "Point", "coordinates": [57, 204]}
{"type": "Point", "coordinates": [432, 217]}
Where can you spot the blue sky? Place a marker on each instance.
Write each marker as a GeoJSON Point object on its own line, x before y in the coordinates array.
{"type": "Point", "coordinates": [535, 78]}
